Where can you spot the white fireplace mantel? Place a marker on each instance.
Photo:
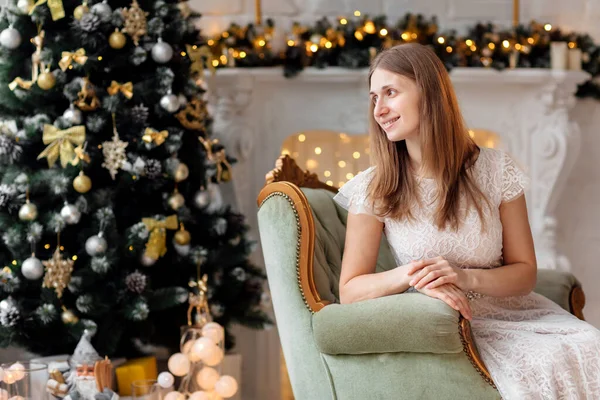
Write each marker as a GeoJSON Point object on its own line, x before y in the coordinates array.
{"type": "Point", "coordinates": [256, 109]}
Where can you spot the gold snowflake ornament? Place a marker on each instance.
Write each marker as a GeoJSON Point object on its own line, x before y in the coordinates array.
{"type": "Point", "coordinates": [114, 155]}
{"type": "Point", "coordinates": [58, 273]}
{"type": "Point", "coordinates": [135, 21]}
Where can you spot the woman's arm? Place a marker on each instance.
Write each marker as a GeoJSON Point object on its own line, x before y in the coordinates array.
{"type": "Point", "coordinates": [358, 280]}
{"type": "Point", "coordinates": [517, 277]}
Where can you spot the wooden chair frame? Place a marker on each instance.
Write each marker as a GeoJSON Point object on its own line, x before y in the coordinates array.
{"type": "Point", "coordinates": [286, 179]}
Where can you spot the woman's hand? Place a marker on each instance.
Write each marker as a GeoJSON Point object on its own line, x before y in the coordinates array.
{"type": "Point", "coordinates": [452, 296]}
{"type": "Point", "coordinates": [435, 272]}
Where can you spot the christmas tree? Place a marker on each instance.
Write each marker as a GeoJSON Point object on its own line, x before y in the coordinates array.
{"type": "Point", "coordinates": [110, 201]}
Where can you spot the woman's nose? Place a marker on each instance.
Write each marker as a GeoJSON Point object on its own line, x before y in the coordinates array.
{"type": "Point", "coordinates": [380, 109]}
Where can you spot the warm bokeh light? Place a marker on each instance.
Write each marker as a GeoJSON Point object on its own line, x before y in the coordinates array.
{"type": "Point", "coordinates": [341, 156]}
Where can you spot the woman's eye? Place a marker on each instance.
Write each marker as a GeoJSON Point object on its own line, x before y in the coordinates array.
{"type": "Point", "coordinates": [391, 92]}
{"type": "Point", "coordinates": [374, 99]}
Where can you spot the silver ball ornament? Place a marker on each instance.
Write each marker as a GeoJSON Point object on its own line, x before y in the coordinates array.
{"type": "Point", "coordinates": [28, 212]}
{"type": "Point", "coordinates": [32, 268]}
{"type": "Point", "coordinates": [202, 199]}
{"type": "Point", "coordinates": [170, 102]}
{"type": "Point", "coordinates": [73, 115]}
{"type": "Point", "coordinates": [182, 250]}
{"type": "Point", "coordinates": [96, 245]}
{"type": "Point", "coordinates": [162, 52]}
{"type": "Point", "coordinates": [103, 11]}
{"type": "Point", "coordinates": [70, 214]}
{"type": "Point", "coordinates": [10, 38]}
{"type": "Point", "coordinates": [216, 198]}
{"type": "Point", "coordinates": [24, 6]}
{"type": "Point", "coordinates": [147, 261]}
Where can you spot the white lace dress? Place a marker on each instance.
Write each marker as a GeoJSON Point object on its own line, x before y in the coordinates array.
{"type": "Point", "coordinates": [532, 347]}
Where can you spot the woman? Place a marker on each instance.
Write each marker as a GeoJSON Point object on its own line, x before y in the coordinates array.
{"type": "Point", "coordinates": [456, 220]}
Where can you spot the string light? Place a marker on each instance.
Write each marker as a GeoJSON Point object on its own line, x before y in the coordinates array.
{"type": "Point", "coordinates": [492, 46]}
{"type": "Point", "coordinates": [242, 54]}
{"type": "Point", "coordinates": [330, 183]}
{"type": "Point", "coordinates": [547, 27]}
{"type": "Point", "coordinates": [358, 35]}
{"type": "Point", "coordinates": [506, 44]}
{"type": "Point", "coordinates": [311, 164]}
{"type": "Point", "coordinates": [383, 32]}
{"type": "Point", "coordinates": [14, 262]}
{"type": "Point", "coordinates": [74, 258]}
{"type": "Point", "coordinates": [469, 42]}
{"type": "Point", "coordinates": [301, 137]}
{"type": "Point", "coordinates": [318, 150]}
{"type": "Point", "coordinates": [285, 152]}
{"type": "Point", "coordinates": [441, 40]}
{"type": "Point", "coordinates": [343, 21]}
{"type": "Point", "coordinates": [357, 13]}
{"type": "Point", "coordinates": [530, 40]}
{"type": "Point", "coordinates": [405, 36]}
{"type": "Point", "coordinates": [341, 164]}
{"type": "Point", "coordinates": [327, 174]}
{"type": "Point", "coordinates": [314, 48]}
{"type": "Point", "coordinates": [572, 45]}
{"type": "Point", "coordinates": [356, 155]}
{"type": "Point", "coordinates": [349, 175]}
{"type": "Point", "coordinates": [518, 46]}
{"type": "Point", "coordinates": [328, 45]}
{"type": "Point", "coordinates": [370, 28]}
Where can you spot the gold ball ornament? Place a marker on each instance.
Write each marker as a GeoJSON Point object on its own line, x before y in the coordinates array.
{"type": "Point", "coordinates": [117, 40]}
{"type": "Point", "coordinates": [182, 237]}
{"type": "Point", "coordinates": [79, 11]}
{"type": "Point", "coordinates": [176, 200]}
{"type": "Point", "coordinates": [68, 317]}
{"type": "Point", "coordinates": [182, 172]}
{"type": "Point", "coordinates": [226, 175]}
{"type": "Point", "coordinates": [46, 80]}
{"type": "Point", "coordinates": [82, 183]}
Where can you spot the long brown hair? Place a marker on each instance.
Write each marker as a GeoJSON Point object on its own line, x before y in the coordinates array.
{"type": "Point", "coordinates": [447, 150]}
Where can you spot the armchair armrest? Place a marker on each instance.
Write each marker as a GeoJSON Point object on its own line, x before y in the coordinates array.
{"type": "Point", "coordinates": [408, 322]}
{"type": "Point", "coordinates": [562, 288]}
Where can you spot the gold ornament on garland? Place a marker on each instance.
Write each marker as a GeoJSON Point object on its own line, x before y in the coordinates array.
{"type": "Point", "coordinates": [152, 135]}
{"type": "Point", "coordinates": [60, 143]}
{"type": "Point", "coordinates": [81, 10]}
{"type": "Point", "coordinates": [176, 200]}
{"type": "Point", "coordinates": [58, 272]}
{"type": "Point", "coordinates": [182, 237]}
{"type": "Point", "coordinates": [114, 152]}
{"type": "Point", "coordinates": [117, 40]}
{"type": "Point", "coordinates": [218, 158]}
{"type": "Point", "coordinates": [46, 80]}
{"type": "Point", "coordinates": [82, 183]}
{"type": "Point", "coordinates": [68, 317]}
{"type": "Point", "coordinates": [156, 246]}
{"type": "Point", "coordinates": [135, 22]}
{"type": "Point", "coordinates": [67, 58]}
{"type": "Point", "coordinates": [125, 88]}
{"type": "Point", "coordinates": [86, 98]}
{"type": "Point", "coordinates": [181, 172]}
{"type": "Point", "coordinates": [193, 115]}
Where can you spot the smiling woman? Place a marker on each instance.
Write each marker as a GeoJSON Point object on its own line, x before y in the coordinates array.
{"type": "Point", "coordinates": [455, 217]}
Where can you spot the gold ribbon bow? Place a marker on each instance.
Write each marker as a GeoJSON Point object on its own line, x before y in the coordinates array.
{"type": "Point", "coordinates": [23, 84]}
{"type": "Point", "coordinates": [56, 8]}
{"type": "Point", "coordinates": [67, 58]}
{"type": "Point", "coordinates": [196, 53]}
{"type": "Point", "coordinates": [125, 88]}
{"type": "Point", "coordinates": [61, 143]}
{"type": "Point", "coordinates": [151, 135]}
{"type": "Point", "coordinates": [157, 243]}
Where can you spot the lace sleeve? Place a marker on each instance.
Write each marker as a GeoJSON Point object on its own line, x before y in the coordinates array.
{"type": "Point", "coordinates": [353, 196]}
{"type": "Point", "coordinates": [514, 179]}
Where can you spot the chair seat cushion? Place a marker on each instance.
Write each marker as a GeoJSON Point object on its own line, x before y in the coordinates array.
{"type": "Point", "coordinates": [408, 322]}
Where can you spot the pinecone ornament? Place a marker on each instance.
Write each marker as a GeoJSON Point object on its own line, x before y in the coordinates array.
{"type": "Point", "coordinates": [152, 169]}
{"type": "Point", "coordinates": [90, 22]}
{"type": "Point", "coordinates": [140, 114]}
{"type": "Point", "coordinates": [136, 282]}
{"type": "Point", "coordinates": [9, 150]}
{"type": "Point", "coordinates": [9, 313]}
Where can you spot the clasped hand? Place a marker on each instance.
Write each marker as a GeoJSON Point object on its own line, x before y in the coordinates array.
{"type": "Point", "coordinates": [436, 278]}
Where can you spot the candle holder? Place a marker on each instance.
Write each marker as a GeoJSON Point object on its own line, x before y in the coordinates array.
{"type": "Point", "coordinates": [24, 381]}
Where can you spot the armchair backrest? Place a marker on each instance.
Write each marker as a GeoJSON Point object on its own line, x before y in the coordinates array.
{"type": "Point", "coordinates": [302, 233]}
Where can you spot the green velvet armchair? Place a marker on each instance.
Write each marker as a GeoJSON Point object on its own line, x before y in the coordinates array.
{"type": "Point", "coordinates": [405, 346]}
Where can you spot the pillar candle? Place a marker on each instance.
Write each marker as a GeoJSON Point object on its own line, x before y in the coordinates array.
{"type": "Point", "coordinates": [558, 55]}
{"type": "Point", "coordinates": [575, 59]}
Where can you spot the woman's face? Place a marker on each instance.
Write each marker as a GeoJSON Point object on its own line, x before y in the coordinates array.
{"type": "Point", "coordinates": [396, 101]}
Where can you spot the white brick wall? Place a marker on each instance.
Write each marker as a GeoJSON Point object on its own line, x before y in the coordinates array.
{"type": "Point", "coordinates": [581, 15]}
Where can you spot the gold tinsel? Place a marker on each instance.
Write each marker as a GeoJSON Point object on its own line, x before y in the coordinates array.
{"type": "Point", "coordinates": [135, 22]}
{"type": "Point", "coordinates": [58, 273]}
